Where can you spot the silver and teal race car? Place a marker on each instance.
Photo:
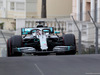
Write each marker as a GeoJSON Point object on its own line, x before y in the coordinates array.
{"type": "Point", "coordinates": [41, 40]}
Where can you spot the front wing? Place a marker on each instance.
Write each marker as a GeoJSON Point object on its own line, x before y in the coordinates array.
{"type": "Point", "coordinates": [56, 49]}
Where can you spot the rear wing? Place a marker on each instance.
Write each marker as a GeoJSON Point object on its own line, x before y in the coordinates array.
{"type": "Point", "coordinates": [25, 31]}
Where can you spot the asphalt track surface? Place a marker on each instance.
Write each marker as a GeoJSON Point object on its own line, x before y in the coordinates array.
{"type": "Point", "coordinates": [51, 65]}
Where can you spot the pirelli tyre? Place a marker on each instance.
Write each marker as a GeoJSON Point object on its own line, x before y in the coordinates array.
{"type": "Point", "coordinates": [69, 40]}
{"type": "Point", "coordinates": [14, 42]}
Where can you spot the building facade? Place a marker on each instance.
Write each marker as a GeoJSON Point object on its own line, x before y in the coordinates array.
{"type": "Point", "coordinates": [18, 8]}
{"type": "Point", "coordinates": [10, 10]}
{"type": "Point", "coordinates": [56, 8]}
{"type": "Point", "coordinates": [32, 8]}
{"type": "Point", "coordinates": [80, 10]}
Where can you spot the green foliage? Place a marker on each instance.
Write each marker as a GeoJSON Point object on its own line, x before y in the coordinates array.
{"type": "Point", "coordinates": [1, 25]}
{"type": "Point", "coordinates": [90, 51]}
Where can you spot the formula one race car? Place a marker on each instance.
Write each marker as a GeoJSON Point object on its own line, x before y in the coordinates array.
{"type": "Point", "coordinates": [41, 40]}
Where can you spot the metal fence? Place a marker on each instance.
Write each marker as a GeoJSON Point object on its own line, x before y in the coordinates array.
{"type": "Point", "coordinates": [90, 25]}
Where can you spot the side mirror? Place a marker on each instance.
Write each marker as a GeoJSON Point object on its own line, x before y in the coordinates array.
{"type": "Point", "coordinates": [51, 29]}
{"type": "Point", "coordinates": [57, 32]}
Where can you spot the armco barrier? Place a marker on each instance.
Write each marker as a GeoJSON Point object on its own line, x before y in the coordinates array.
{"type": "Point", "coordinates": [3, 39]}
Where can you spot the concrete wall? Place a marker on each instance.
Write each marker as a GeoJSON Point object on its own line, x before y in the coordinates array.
{"type": "Point", "coordinates": [15, 14]}
{"type": "Point", "coordinates": [0, 13]}
{"type": "Point", "coordinates": [39, 4]}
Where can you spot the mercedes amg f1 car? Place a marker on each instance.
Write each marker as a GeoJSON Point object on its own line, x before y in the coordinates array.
{"type": "Point", "coordinates": [41, 40]}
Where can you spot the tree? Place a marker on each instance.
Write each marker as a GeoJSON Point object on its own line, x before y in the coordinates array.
{"type": "Point", "coordinates": [43, 13]}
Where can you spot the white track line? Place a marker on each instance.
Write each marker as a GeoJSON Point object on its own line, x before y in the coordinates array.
{"type": "Point", "coordinates": [39, 69]}
{"type": "Point", "coordinates": [92, 73]}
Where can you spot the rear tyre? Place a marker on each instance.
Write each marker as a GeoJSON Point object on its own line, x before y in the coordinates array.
{"type": "Point", "coordinates": [69, 40]}
{"type": "Point", "coordinates": [14, 42]}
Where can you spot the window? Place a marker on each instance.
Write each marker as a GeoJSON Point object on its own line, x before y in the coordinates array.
{"type": "Point", "coordinates": [12, 6]}
{"type": "Point", "coordinates": [84, 33]}
{"type": "Point", "coordinates": [19, 6]}
{"type": "Point", "coordinates": [84, 27]}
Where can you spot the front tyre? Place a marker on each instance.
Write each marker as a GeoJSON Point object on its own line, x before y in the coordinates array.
{"type": "Point", "coordinates": [14, 42]}
{"type": "Point", "coordinates": [69, 40]}
{"type": "Point", "coordinates": [8, 48]}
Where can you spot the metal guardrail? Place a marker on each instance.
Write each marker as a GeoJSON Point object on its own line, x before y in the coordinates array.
{"type": "Point", "coordinates": [4, 35]}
